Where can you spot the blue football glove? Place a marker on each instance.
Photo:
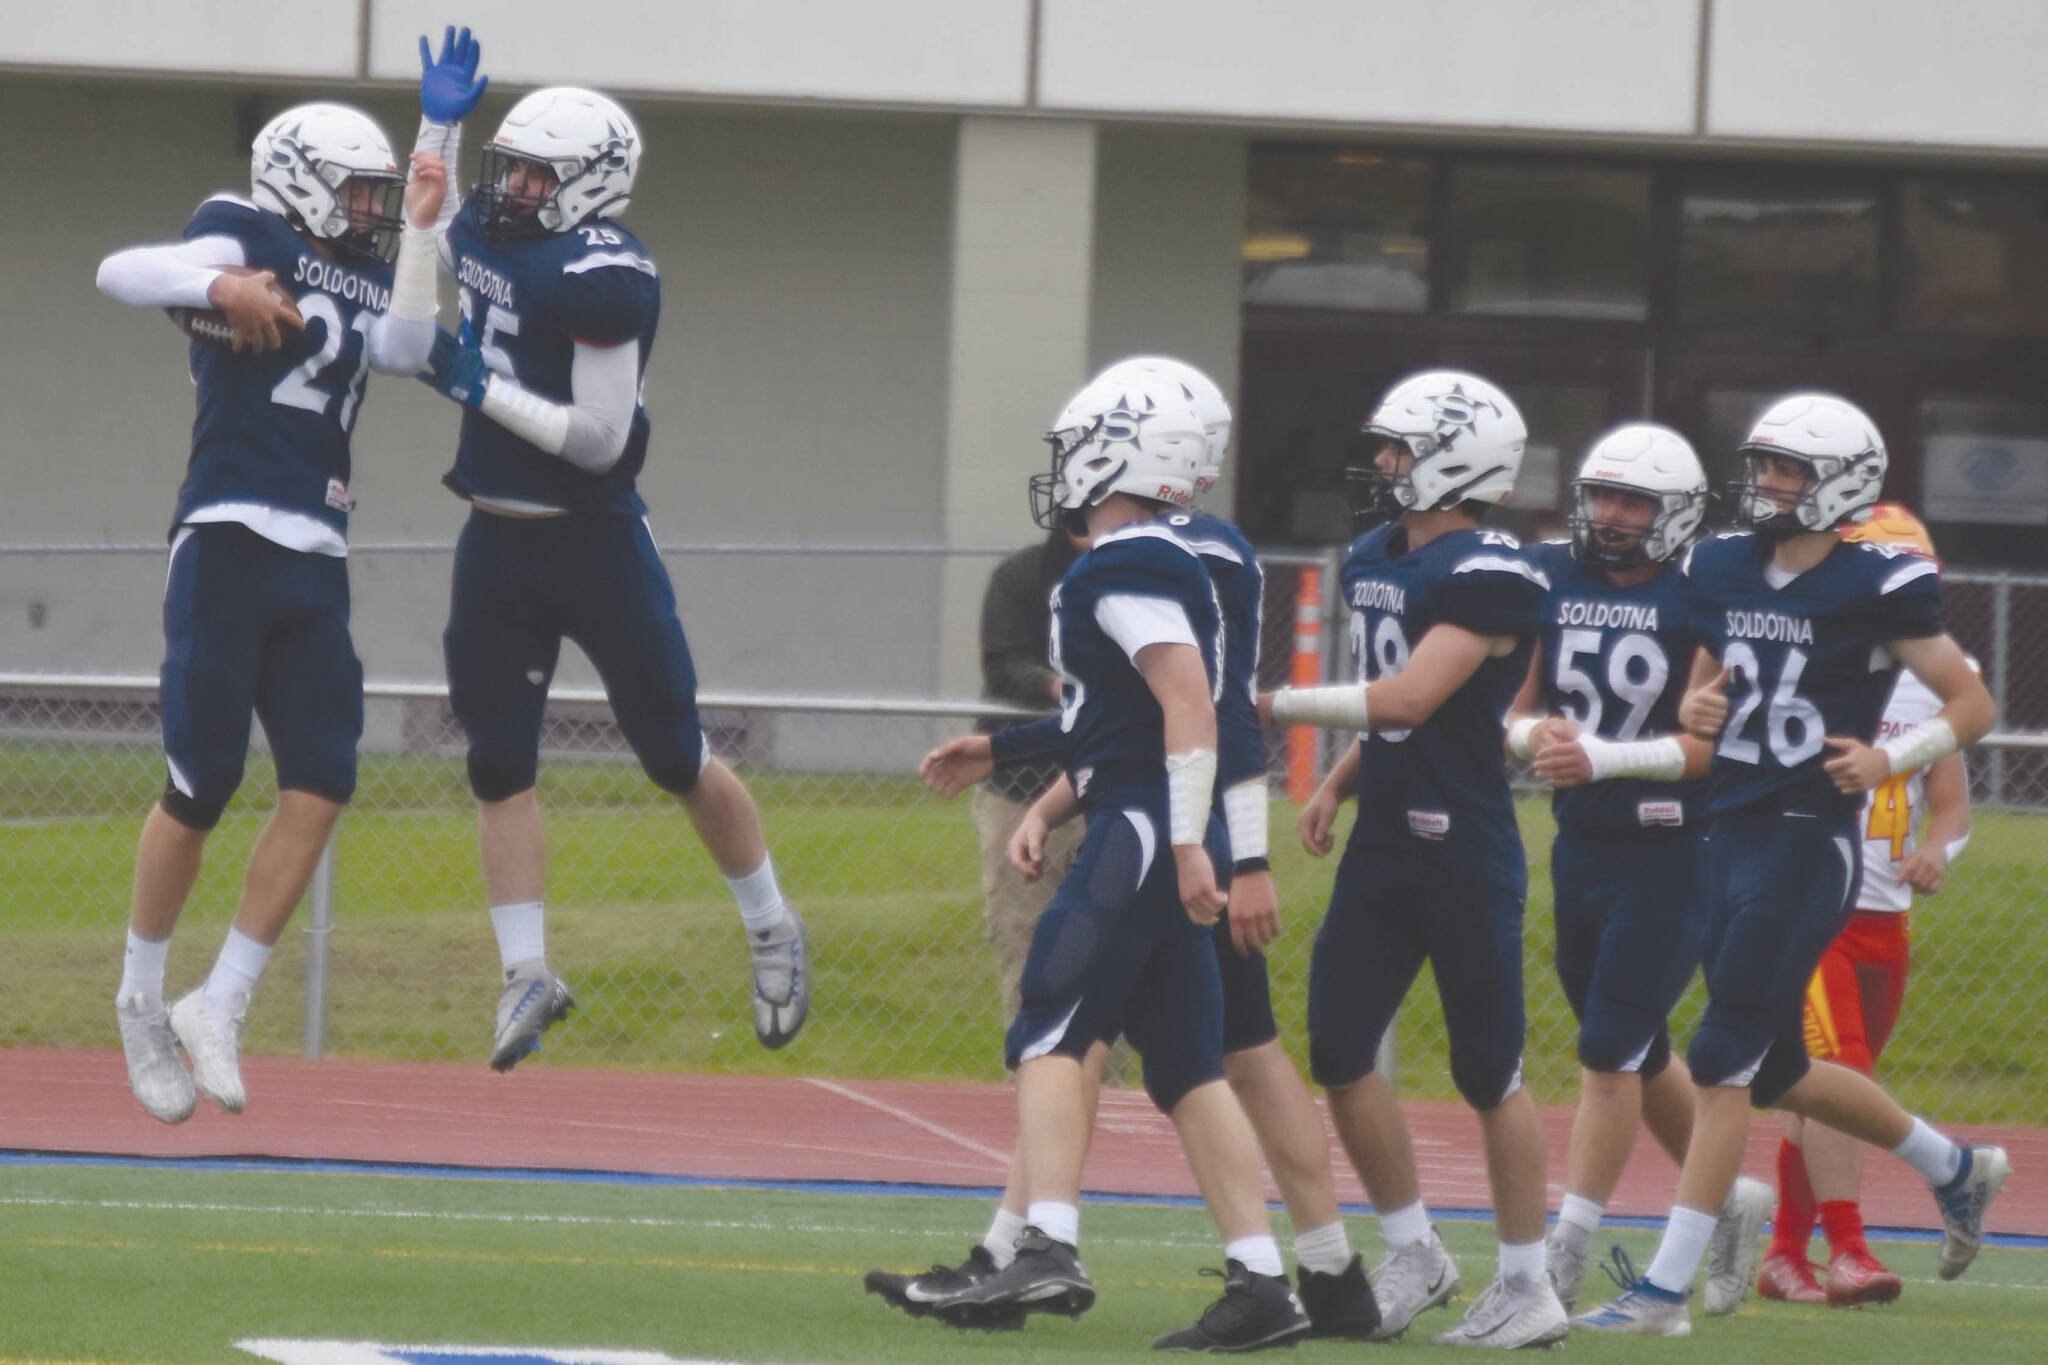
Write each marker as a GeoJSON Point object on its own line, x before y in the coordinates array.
{"type": "Point", "coordinates": [450, 87]}
{"type": "Point", "coordinates": [456, 369]}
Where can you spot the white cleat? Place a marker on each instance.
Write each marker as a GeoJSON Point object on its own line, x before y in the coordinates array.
{"type": "Point", "coordinates": [155, 1074]}
{"type": "Point", "coordinates": [1731, 1254]}
{"type": "Point", "coordinates": [212, 1038]}
{"type": "Point", "coordinates": [534, 1000]}
{"type": "Point", "coordinates": [1414, 1277]}
{"type": "Point", "coordinates": [782, 980]}
{"type": "Point", "coordinates": [1963, 1201]}
{"type": "Point", "coordinates": [1564, 1263]}
{"type": "Point", "coordinates": [1642, 1309]}
{"type": "Point", "coordinates": [1515, 1311]}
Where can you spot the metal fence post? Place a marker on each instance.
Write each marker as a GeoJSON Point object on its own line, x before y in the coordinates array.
{"type": "Point", "coordinates": [2001, 659]}
{"type": "Point", "coordinates": [319, 924]}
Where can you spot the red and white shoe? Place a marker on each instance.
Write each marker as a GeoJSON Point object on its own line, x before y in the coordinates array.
{"type": "Point", "coordinates": [1789, 1279]}
{"type": "Point", "coordinates": [1856, 1277]}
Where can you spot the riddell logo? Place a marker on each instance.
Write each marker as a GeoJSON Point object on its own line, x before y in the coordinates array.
{"type": "Point", "coordinates": [1176, 496]}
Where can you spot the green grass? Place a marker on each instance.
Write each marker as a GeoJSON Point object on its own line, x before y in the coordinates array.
{"type": "Point", "coordinates": [172, 1267]}
{"type": "Point", "coordinates": [888, 878]}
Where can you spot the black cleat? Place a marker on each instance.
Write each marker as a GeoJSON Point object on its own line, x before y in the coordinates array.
{"type": "Point", "coordinates": [1339, 1305]}
{"type": "Point", "coordinates": [918, 1295]}
{"type": "Point", "coordinates": [1046, 1277]}
{"type": "Point", "coordinates": [1256, 1311]}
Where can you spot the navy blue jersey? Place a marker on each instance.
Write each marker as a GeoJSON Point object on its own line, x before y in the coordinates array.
{"type": "Point", "coordinates": [1445, 780]}
{"type": "Point", "coordinates": [1116, 735]}
{"type": "Point", "coordinates": [1240, 595]}
{"type": "Point", "coordinates": [527, 301]}
{"type": "Point", "coordinates": [1806, 660]}
{"type": "Point", "coordinates": [1616, 661]}
{"type": "Point", "coordinates": [273, 427]}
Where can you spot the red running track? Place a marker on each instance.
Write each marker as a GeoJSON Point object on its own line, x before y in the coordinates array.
{"type": "Point", "coordinates": [783, 1128]}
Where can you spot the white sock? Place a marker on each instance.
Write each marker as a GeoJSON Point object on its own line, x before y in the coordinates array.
{"type": "Point", "coordinates": [142, 969]}
{"type": "Point", "coordinates": [760, 899]}
{"type": "Point", "coordinates": [1403, 1226]}
{"type": "Point", "coordinates": [1001, 1239]}
{"type": "Point", "coordinates": [1327, 1251]}
{"type": "Point", "coordinates": [1523, 1258]}
{"type": "Point", "coordinates": [1678, 1256]}
{"type": "Point", "coordinates": [1936, 1158]}
{"type": "Point", "coordinates": [1580, 1213]}
{"type": "Point", "coordinates": [522, 932]}
{"type": "Point", "coordinates": [237, 969]}
{"type": "Point", "coordinates": [1260, 1255]}
{"type": "Point", "coordinates": [1061, 1222]}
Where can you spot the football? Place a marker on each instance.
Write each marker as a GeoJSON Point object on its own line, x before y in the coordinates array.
{"type": "Point", "coordinates": [211, 325]}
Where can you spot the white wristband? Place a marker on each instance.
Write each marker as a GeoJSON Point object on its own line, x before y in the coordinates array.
{"type": "Point", "coordinates": [1190, 792]}
{"type": "Point", "coordinates": [1954, 849]}
{"type": "Point", "coordinates": [1660, 760]}
{"type": "Point", "coordinates": [1333, 708]}
{"type": "Point", "coordinates": [1245, 809]}
{"type": "Point", "coordinates": [415, 279]}
{"type": "Point", "coordinates": [1519, 731]}
{"type": "Point", "coordinates": [1920, 746]}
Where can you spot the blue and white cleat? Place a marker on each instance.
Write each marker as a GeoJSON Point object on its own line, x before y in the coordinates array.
{"type": "Point", "coordinates": [1963, 1200]}
{"type": "Point", "coordinates": [534, 999]}
{"type": "Point", "coordinates": [782, 980]}
{"type": "Point", "coordinates": [1641, 1309]}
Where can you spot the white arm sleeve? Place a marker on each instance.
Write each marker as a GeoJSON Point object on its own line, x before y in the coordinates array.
{"type": "Point", "coordinates": [174, 275]}
{"type": "Point", "coordinates": [1134, 622]}
{"type": "Point", "coordinates": [400, 339]}
{"type": "Point", "coordinates": [590, 431]}
{"type": "Point", "coordinates": [399, 345]}
{"type": "Point", "coordinates": [445, 138]}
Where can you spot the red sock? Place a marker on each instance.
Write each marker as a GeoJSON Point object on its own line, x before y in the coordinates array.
{"type": "Point", "coordinates": [1792, 1225]}
{"type": "Point", "coordinates": [1842, 1220]}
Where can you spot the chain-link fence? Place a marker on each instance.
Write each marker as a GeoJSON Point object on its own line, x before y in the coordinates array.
{"type": "Point", "coordinates": [886, 874]}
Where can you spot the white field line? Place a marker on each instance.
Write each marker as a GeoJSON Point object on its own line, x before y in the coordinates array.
{"type": "Point", "coordinates": [847, 1092]}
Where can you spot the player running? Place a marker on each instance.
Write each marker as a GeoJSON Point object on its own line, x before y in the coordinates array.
{"type": "Point", "coordinates": [1599, 718]}
{"type": "Point", "coordinates": [1442, 618]}
{"type": "Point", "coordinates": [1853, 1001]}
{"type": "Point", "coordinates": [256, 598]}
{"type": "Point", "coordinates": [559, 305]}
{"type": "Point", "coordinates": [1802, 637]}
{"type": "Point", "coordinates": [1330, 1277]}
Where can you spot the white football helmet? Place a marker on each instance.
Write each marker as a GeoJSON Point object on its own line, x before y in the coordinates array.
{"type": "Point", "coordinates": [1839, 445]}
{"type": "Point", "coordinates": [1199, 389]}
{"type": "Point", "coordinates": [1465, 434]}
{"type": "Point", "coordinates": [1654, 462]}
{"type": "Point", "coordinates": [583, 141]}
{"type": "Point", "coordinates": [301, 166]}
{"type": "Point", "coordinates": [1144, 439]}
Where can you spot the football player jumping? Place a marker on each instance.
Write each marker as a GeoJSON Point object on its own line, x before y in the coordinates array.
{"type": "Point", "coordinates": [1853, 1000]}
{"type": "Point", "coordinates": [256, 599]}
{"type": "Point", "coordinates": [559, 304]}
{"type": "Point", "coordinates": [1442, 618]}
{"type": "Point", "coordinates": [1331, 1278]}
{"type": "Point", "coordinates": [1802, 637]}
{"type": "Point", "coordinates": [1599, 718]}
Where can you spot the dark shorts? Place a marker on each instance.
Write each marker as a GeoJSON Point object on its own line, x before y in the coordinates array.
{"type": "Point", "coordinates": [1247, 994]}
{"type": "Point", "coordinates": [522, 586]}
{"type": "Point", "coordinates": [1391, 910]}
{"type": "Point", "coordinates": [1115, 953]}
{"type": "Point", "coordinates": [1775, 889]}
{"type": "Point", "coordinates": [253, 628]}
{"type": "Point", "coordinates": [1627, 940]}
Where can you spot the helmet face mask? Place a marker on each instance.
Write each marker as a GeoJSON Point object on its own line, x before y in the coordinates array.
{"type": "Point", "coordinates": [328, 170]}
{"type": "Point", "coordinates": [581, 141]}
{"type": "Point", "coordinates": [1639, 497]}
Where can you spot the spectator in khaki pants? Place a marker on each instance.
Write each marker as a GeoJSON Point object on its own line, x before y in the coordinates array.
{"type": "Point", "coordinates": [1015, 618]}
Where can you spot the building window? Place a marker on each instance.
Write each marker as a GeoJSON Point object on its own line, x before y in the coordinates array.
{"type": "Point", "coordinates": [1336, 227]}
{"type": "Point", "coordinates": [1798, 260]}
{"type": "Point", "coordinates": [1976, 256]}
{"type": "Point", "coordinates": [1549, 241]}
